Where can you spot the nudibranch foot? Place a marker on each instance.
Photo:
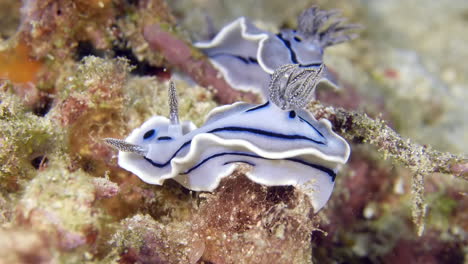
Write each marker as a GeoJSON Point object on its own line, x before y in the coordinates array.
{"type": "Point", "coordinates": [282, 142]}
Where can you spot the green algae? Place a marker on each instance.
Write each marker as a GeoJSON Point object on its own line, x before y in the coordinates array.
{"type": "Point", "coordinates": [24, 136]}
{"type": "Point", "coordinates": [68, 196]}
{"type": "Point", "coordinates": [61, 204]}
{"type": "Point", "coordinates": [94, 72]}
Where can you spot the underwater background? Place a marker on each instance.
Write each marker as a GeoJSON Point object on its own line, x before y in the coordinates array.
{"type": "Point", "coordinates": [75, 72]}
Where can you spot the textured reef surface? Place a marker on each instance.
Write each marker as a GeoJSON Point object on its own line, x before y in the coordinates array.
{"type": "Point", "coordinates": [75, 72]}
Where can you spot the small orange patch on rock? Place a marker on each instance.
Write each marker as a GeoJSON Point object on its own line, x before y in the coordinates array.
{"type": "Point", "coordinates": [17, 66]}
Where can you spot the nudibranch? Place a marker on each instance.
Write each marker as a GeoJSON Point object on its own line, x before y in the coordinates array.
{"type": "Point", "coordinates": [247, 55]}
{"type": "Point", "coordinates": [282, 142]}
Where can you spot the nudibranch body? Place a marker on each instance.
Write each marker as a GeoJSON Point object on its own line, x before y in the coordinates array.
{"type": "Point", "coordinates": [247, 55]}
{"type": "Point", "coordinates": [283, 144]}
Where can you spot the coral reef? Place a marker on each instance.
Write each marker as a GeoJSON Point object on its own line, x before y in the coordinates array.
{"type": "Point", "coordinates": [74, 72]}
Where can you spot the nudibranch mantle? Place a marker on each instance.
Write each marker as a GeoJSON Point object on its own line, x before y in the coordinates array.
{"type": "Point", "coordinates": [282, 146]}
{"type": "Point", "coordinates": [247, 55]}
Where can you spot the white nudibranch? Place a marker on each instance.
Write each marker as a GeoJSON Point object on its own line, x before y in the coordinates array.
{"type": "Point", "coordinates": [247, 55]}
{"type": "Point", "coordinates": [282, 142]}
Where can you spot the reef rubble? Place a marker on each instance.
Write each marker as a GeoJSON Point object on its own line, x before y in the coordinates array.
{"type": "Point", "coordinates": [75, 72]}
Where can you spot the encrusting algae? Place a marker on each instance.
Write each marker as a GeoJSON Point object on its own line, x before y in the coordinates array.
{"type": "Point", "coordinates": [26, 140]}
{"type": "Point", "coordinates": [98, 69]}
